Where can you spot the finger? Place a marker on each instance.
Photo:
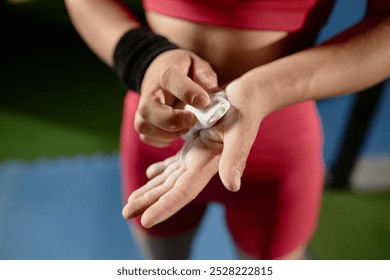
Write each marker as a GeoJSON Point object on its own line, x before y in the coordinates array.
{"type": "Point", "coordinates": [158, 167]}
{"type": "Point", "coordinates": [154, 142]}
{"type": "Point", "coordinates": [175, 81]}
{"type": "Point", "coordinates": [151, 184]}
{"type": "Point", "coordinates": [156, 181]}
{"type": "Point", "coordinates": [138, 205]}
{"type": "Point", "coordinates": [187, 187]}
{"type": "Point", "coordinates": [148, 129]}
{"type": "Point", "coordinates": [153, 112]}
{"type": "Point", "coordinates": [204, 75]}
{"type": "Point", "coordinates": [239, 135]}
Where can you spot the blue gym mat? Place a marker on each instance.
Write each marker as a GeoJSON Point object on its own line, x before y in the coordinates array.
{"type": "Point", "coordinates": [70, 208]}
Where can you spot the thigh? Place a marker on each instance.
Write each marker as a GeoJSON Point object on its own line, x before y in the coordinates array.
{"type": "Point", "coordinates": [274, 231]}
{"type": "Point", "coordinates": [277, 211]}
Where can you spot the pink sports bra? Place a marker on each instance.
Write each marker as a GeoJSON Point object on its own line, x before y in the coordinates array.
{"type": "Point", "coordinates": [279, 15]}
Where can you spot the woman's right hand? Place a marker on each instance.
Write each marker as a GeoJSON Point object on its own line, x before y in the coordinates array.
{"type": "Point", "coordinates": [173, 78]}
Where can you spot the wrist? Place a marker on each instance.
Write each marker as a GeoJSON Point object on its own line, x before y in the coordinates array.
{"type": "Point", "coordinates": [134, 52]}
{"type": "Point", "coordinates": [260, 92]}
{"type": "Point", "coordinates": [277, 84]}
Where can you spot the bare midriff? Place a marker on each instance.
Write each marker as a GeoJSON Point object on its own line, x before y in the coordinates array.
{"type": "Point", "coordinates": [231, 52]}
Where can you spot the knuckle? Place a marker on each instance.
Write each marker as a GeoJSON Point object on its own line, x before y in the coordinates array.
{"type": "Point", "coordinates": [140, 125]}
{"type": "Point", "coordinates": [176, 121]}
{"type": "Point", "coordinates": [146, 139]}
{"type": "Point", "coordinates": [148, 199]}
{"type": "Point", "coordinates": [164, 203]}
{"type": "Point", "coordinates": [153, 142]}
{"type": "Point", "coordinates": [171, 79]}
{"type": "Point", "coordinates": [181, 92]}
{"type": "Point", "coordinates": [165, 75]}
{"type": "Point", "coordinates": [187, 196]}
{"type": "Point", "coordinates": [144, 111]}
{"type": "Point", "coordinates": [132, 196]}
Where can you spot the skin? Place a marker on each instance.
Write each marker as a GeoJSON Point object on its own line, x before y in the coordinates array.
{"type": "Point", "coordinates": [260, 77]}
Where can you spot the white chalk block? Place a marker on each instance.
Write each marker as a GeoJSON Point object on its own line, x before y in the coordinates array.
{"type": "Point", "coordinates": [206, 118]}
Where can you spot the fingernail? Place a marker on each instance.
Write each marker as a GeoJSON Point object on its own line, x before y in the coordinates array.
{"type": "Point", "coordinates": [189, 120]}
{"type": "Point", "coordinates": [200, 101]}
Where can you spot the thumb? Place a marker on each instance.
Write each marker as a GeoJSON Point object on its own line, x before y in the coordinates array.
{"type": "Point", "coordinates": [238, 138]}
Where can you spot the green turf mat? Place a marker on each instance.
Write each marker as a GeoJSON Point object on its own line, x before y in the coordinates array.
{"type": "Point", "coordinates": [53, 87]}
{"type": "Point", "coordinates": [29, 137]}
{"type": "Point", "coordinates": [353, 226]}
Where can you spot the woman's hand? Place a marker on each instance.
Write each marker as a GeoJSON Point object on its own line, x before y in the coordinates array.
{"type": "Point", "coordinates": [175, 181]}
{"type": "Point", "coordinates": [224, 148]}
{"type": "Point", "coordinates": [173, 76]}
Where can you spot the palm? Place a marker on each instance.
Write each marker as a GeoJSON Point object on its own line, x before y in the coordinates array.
{"type": "Point", "coordinates": [177, 180]}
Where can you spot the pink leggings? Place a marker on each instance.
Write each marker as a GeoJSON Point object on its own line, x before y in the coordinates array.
{"type": "Point", "coordinates": [276, 209]}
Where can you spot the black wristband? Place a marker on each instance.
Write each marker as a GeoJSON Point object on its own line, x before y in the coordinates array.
{"type": "Point", "coordinates": [134, 53]}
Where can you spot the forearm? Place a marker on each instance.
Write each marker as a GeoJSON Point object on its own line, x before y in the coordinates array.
{"type": "Point", "coordinates": [101, 23]}
{"type": "Point", "coordinates": [356, 59]}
